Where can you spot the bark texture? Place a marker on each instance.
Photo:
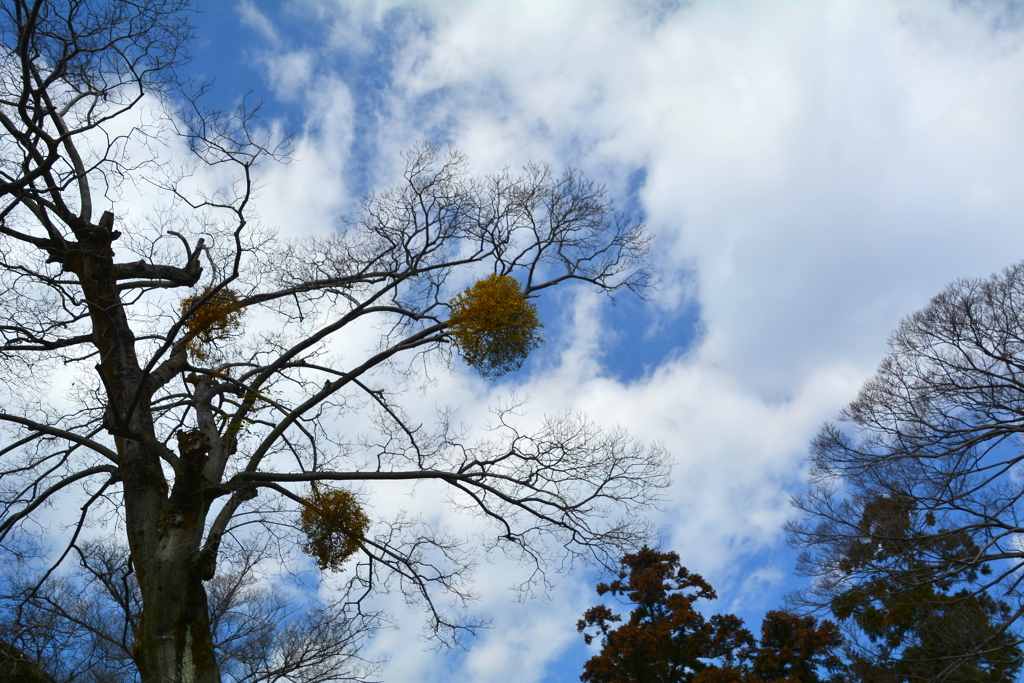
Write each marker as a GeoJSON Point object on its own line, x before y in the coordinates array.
{"type": "Point", "coordinates": [165, 528]}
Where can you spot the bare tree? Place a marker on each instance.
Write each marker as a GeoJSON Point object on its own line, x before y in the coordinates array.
{"type": "Point", "coordinates": [80, 626]}
{"type": "Point", "coordinates": [208, 388]}
{"type": "Point", "coordinates": [912, 527]}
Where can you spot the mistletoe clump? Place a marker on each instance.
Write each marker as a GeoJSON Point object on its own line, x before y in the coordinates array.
{"type": "Point", "coordinates": [494, 325]}
{"type": "Point", "coordinates": [217, 319]}
{"type": "Point", "coordinates": [334, 525]}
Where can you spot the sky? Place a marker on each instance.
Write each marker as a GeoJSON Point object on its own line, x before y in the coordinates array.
{"type": "Point", "coordinates": [812, 172]}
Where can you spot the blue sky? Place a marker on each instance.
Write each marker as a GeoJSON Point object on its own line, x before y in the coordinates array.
{"type": "Point", "coordinates": [813, 171]}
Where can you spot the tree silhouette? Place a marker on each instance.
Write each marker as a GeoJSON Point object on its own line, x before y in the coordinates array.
{"type": "Point", "coordinates": [910, 529]}
{"type": "Point", "coordinates": [204, 354]}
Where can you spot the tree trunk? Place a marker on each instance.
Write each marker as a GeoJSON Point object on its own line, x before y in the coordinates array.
{"type": "Point", "coordinates": [174, 643]}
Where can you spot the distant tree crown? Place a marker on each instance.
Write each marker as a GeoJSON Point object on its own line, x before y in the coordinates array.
{"type": "Point", "coordinates": [665, 640]}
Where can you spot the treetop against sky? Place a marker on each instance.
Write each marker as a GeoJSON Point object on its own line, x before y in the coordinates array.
{"type": "Point", "coordinates": [811, 173]}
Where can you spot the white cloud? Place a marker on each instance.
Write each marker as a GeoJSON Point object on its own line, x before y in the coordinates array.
{"type": "Point", "coordinates": [802, 157]}
{"type": "Point", "coordinates": [252, 17]}
{"type": "Point", "coordinates": [290, 74]}
{"type": "Point", "coordinates": [815, 171]}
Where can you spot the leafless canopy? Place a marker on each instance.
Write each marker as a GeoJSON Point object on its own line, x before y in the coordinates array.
{"type": "Point", "coordinates": [937, 436]}
{"type": "Point", "coordinates": [209, 372]}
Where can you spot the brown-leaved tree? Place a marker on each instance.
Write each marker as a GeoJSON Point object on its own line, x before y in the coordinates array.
{"type": "Point", "coordinates": [201, 353]}
{"type": "Point", "coordinates": [666, 640]}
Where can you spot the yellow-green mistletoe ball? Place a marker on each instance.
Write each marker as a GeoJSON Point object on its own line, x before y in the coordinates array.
{"type": "Point", "coordinates": [215, 321]}
{"type": "Point", "coordinates": [334, 525]}
{"type": "Point", "coordinates": [494, 325]}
